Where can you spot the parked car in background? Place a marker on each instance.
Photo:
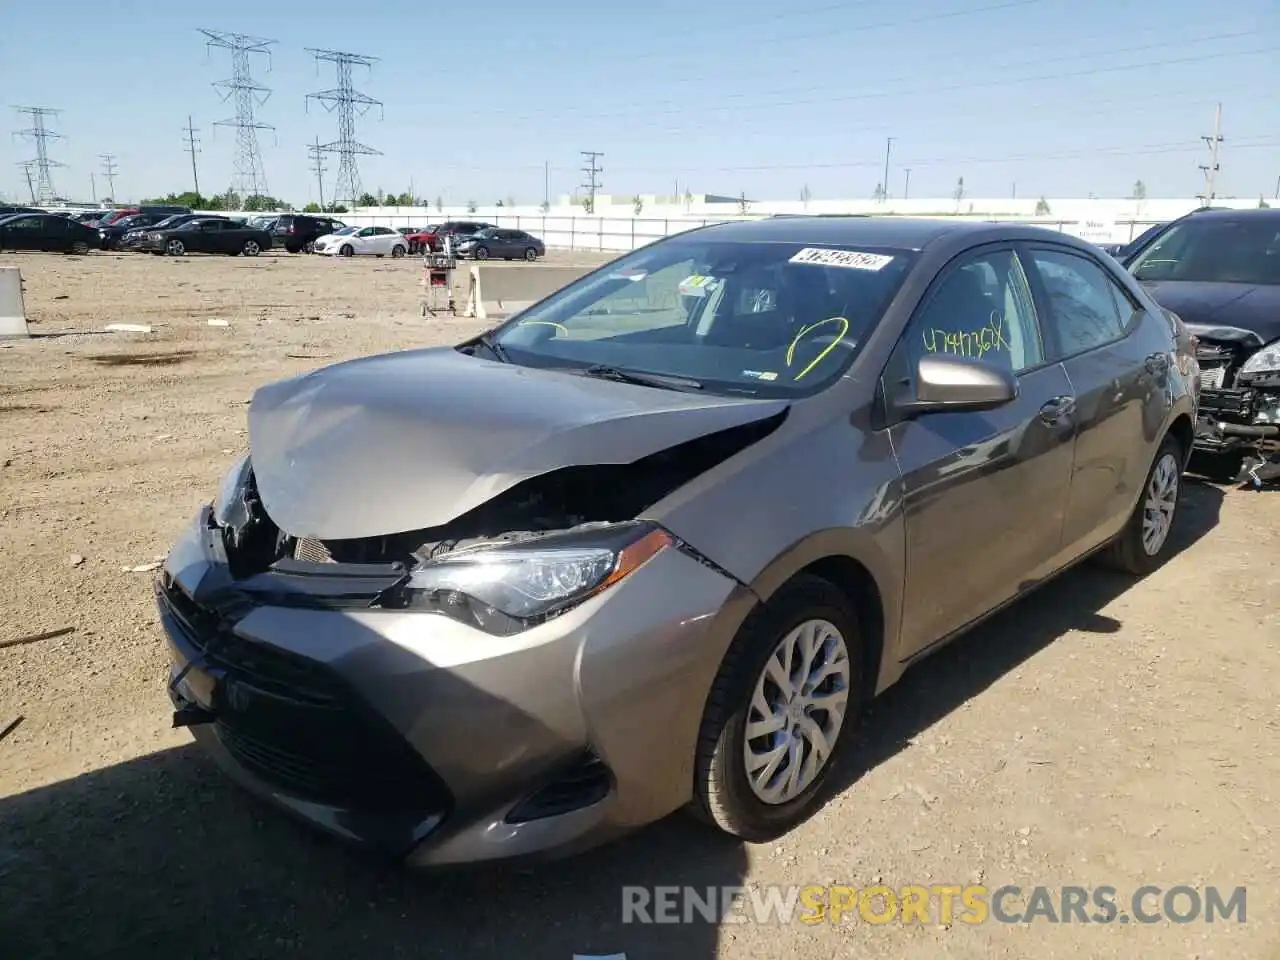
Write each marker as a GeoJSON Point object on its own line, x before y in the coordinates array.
{"type": "Point", "coordinates": [432, 238]}
{"type": "Point", "coordinates": [298, 232]}
{"type": "Point", "coordinates": [113, 233]}
{"type": "Point", "coordinates": [498, 243]}
{"type": "Point", "coordinates": [208, 235]}
{"type": "Point", "coordinates": [46, 231]}
{"type": "Point", "coordinates": [136, 233]}
{"type": "Point", "coordinates": [9, 211]}
{"type": "Point", "coordinates": [1219, 270]}
{"type": "Point", "coordinates": [362, 242]}
{"type": "Point", "coordinates": [615, 558]}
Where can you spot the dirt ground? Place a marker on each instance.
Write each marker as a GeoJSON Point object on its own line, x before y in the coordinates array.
{"type": "Point", "coordinates": [1104, 732]}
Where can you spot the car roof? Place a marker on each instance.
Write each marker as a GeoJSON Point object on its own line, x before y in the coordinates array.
{"type": "Point", "coordinates": [907, 233]}
{"type": "Point", "coordinates": [1224, 213]}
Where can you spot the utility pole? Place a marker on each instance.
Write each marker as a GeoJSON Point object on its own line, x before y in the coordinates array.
{"type": "Point", "coordinates": [888, 146]}
{"type": "Point", "coordinates": [93, 186]}
{"type": "Point", "coordinates": [1013, 192]}
{"type": "Point", "coordinates": [41, 135]}
{"type": "Point", "coordinates": [1211, 168]}
{"type": "Point", "coordinates": [317, 164]}
{"type": "Point", "coordinates": [906, 185]}
{"type": "Point", "coordinates": [592, 171]}
{"type": "Point", "coordinates": [193, 147]}
{"type": "Point", "coordinates": [31, 187]}
{"type": "Point", "coordinates": [109, 171]}
{"type": "Point", "coordinates": [546, 183]}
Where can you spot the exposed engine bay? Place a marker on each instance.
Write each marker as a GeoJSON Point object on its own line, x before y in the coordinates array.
{"type": "Point", "coordinates": [564, 500]}
{"type": "Point", "coordinates": [1239, 409]}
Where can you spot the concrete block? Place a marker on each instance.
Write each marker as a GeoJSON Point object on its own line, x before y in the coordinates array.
{"type": "Point", "coordinates": [506, 290]}
{"type": "Point", "coordinates": [13, 312]}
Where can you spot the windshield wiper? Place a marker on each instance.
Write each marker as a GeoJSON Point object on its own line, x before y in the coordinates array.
{"type": "Point", "coordinates": [494, 347]}
{"type": "Point", "coordinates": [605, 372]}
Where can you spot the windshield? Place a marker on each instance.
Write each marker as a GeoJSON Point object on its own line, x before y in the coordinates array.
{"type": "Point", "coordinates": [759, 319]}
{"type": "Point", "coordinates": [345, 231]}
{"type": "Point", "coordinates": [169, 221]}
{"type": "Point", "coordinates": [1214, 250]}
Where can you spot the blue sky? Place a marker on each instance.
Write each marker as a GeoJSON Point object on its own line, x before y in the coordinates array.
{"type": "Point", "coordinates": [1045, 97]}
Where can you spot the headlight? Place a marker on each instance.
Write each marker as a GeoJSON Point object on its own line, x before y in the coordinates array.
{"type": "Point", "coordinates": [505, 588]}
{"type": "Point", "coordinates": [1266, 360]}
{"type": "Point", "coordinates": [229, 509]}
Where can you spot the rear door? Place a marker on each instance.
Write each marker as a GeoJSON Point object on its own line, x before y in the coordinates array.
{"type": "Point", "coordinates": [1118, 358]}
{"type": "Point", "coordinates": [24, 233]}
{"type": "Point", "coordinates": [984, 493]}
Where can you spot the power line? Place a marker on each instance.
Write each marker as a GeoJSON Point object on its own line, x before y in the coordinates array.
{"type": "Point", "coordinates": [348, 103]}
{"type": "Point", "coordinates": [249, 178]}
{"type": "Point", "coordinates": [38, 133]}
{"type": "Point", "coordinates": [592, 171]}
{"type": "Point", "coordinates": [109, 171]}
{"type": "Point", "coordinates": [193, 147]}
{"type": "Point", "coordinates": [1211, 169]}
{"type": "Point", "coordinates": [316, 153]}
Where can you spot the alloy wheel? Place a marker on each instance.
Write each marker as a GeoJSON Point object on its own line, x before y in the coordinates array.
{"type": "Point", "coordinates": [1161, 504]}
{"type": "Point", "coordinates": [796, 712]}
{"type": "Point", "coordinates": [251, 248]}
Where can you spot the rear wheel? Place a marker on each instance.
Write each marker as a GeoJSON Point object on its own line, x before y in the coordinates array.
{"type": "Point", "coordinates": [397, 252]}
{"type": "Point", "coordinates": [1143, 544]}
{"type": "Point", "coordinates": [80, 248]}
{"type": "Point", "coordinates": [779, 710]}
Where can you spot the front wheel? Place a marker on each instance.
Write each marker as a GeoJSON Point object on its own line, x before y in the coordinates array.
{"type": "Point", "coordinates": [482, 253]}
{"type": "Point", "coordinates": [346, 251]}
{"type": "Point", "coordinates": [531, 254]}
{"type": "Point", "coordinates": [251, 248]}
{"type": "Point", "coordinates": [1143, 544]}
{"type": "Point", "coordinates": [79, 248]}
{"type": "Point", "coordinates": [175, 248]}
{"type": "Point", "coordinates": [778, 712]}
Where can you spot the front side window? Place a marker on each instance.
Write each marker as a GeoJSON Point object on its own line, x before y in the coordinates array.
{"type": "Point", "coordinates": [762, 319]}
{"type": "Point", "coordinates": [1088, 308]}
{"type": "Point", "coordinates": [1213, 249]}
{"type": "Point", "coordinates": [980, 309]}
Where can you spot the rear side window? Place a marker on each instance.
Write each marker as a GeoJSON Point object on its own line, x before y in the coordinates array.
{"type": "Point", "coordinates": [1088, 309]}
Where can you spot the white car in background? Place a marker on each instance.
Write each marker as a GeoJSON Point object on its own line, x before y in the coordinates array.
{"type": "Point", "coordinates": [363, 242]}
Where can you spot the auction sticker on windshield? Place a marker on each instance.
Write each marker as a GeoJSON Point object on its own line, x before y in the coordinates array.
{"type": "Point", "coordinates": [851, 259]}
{"type": "Point", "coordinates": [697, 286]}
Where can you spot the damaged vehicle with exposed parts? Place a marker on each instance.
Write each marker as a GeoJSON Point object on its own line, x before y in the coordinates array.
{"type": "Point", "coordinates": [1219, 271]}
{"type": "Point", "coordinates": [654, 542]}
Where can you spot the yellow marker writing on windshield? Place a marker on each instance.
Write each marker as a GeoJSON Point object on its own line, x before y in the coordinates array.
{"type": "Point", "coordinates": [804, 331]}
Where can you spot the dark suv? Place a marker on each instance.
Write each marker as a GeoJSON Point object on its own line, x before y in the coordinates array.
{"type": "Point", "coordinates": [299, 231]}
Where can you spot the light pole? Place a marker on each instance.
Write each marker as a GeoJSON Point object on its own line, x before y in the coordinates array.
{"type": "Point", "coordinates": [888, 146]}
{"type": "Point", "coordinates": [906, 185]}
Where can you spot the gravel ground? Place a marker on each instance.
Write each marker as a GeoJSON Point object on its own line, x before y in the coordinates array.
{"type": "Point", "coordinates": [1101, 733]}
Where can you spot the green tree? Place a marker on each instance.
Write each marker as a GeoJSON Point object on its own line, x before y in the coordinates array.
{"type": "Point", "coordinates": [367, 200]}
{"type": "Point", "coordinates": [312, 208]}
{"type": "Point", "coordinates": [1042, 207]}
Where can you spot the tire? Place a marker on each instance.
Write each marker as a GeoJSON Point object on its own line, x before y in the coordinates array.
{"type": "Point", "coordinates": [723, 792]}
{"type": "Point", "coordinates": [397, 252]}
{"type": "Point", "coordinates": [79, 248]}
{"type": "Point", "coordinates": [346, 251]}
{"type": "Point", "coordinates": [251, 248]}
{"type": "Point", "coordinates": [175, 248]}
{"type": "Point", "coordinates": [531, 254]}
{"type": "Point", "coordinates": [482, 253]}
{"type": "Point", "coordinates": [1132, 551]}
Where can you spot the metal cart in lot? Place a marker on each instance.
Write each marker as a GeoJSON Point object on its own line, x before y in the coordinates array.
{"type": "Point", "coordinates": [437, 282]}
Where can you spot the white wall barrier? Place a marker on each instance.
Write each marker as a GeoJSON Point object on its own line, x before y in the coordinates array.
{"type": "Point", "coordinates": [502, 291]}
{"type": "Point", "coordinates": [13, 313]}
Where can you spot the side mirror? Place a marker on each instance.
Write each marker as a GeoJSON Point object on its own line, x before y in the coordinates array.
{"type": "Point", "coordinates": [945, 384]}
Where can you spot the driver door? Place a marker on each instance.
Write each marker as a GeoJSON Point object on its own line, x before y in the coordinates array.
{"type": "Point", "coordinates": [984, 493]}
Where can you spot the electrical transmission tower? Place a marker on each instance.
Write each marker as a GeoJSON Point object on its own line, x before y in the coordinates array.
{"type": "Point", "coordinates": [348, 103]}
{"type": "Point", "coordinates": [109, 171]}
{"type": "Point", "coordinates": [1211, 168]}
{"type": "Point", "coordinates": [316, 152]}
{"type": "Point", "coordinates": [249, 178]}
{"type": "Point", "coordinates": [592, 171]}
{"type": "Point", "coordinates": [193, 147]}
{"type": "Point", "coordinates": [41, 135]}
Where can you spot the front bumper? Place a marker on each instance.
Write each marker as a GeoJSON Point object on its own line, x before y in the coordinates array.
{"type": "Point", "coordinates": [418, 737]}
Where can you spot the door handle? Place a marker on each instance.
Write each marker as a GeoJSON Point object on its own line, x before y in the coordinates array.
{"type": "Point", "coordinates": [1158, 363]}
{"type": "Point", "coordinates": [1057, 409]}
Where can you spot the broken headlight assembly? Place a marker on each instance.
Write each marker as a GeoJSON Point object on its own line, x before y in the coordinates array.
{"type": "Point", "coordinates": [229, 508]}
{"type": "Point", "coordinates": [510, 586]}
{"type": "Point", "coordinates": [1266, 360]}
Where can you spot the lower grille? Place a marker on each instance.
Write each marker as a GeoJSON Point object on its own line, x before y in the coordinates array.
{"type": "Point", "coordinates": [585, 782]}
{"type": "Point", "coordinates": [1213, 378]}
{"type": "Point", "coordinates": [311, 550]}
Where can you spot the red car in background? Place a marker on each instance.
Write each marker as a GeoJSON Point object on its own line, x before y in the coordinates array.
{"type": "Point", "coordinates": [432, 238]}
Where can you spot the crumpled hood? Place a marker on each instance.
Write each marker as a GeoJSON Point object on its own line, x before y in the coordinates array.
{"type": "Point", "coordinates": [410, 440]}
{"type": "Point", "coordinates": [1249, 307]}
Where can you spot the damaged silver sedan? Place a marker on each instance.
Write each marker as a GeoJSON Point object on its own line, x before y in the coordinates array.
{"type": "Point", "coordinates": [654, 542]}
